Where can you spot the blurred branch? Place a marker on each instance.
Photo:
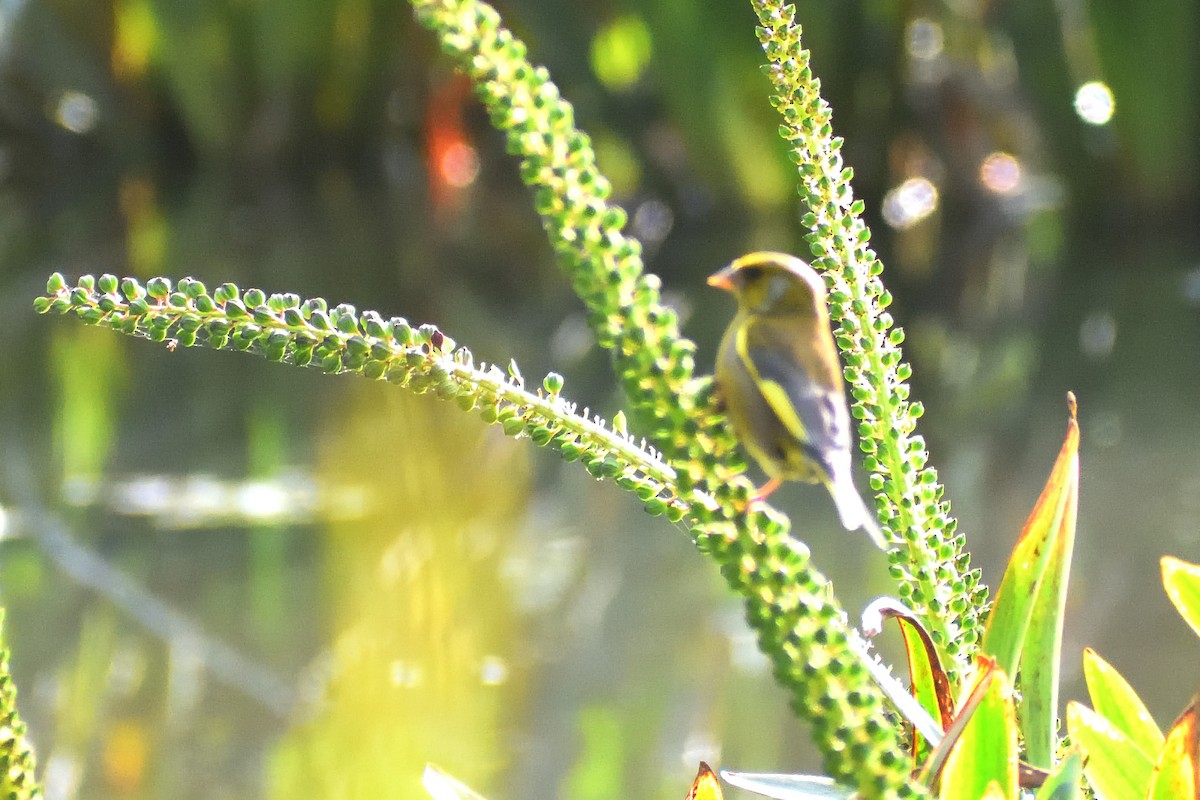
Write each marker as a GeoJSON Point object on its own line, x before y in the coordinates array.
{"type": "Point", "coordinates": [223, 662]}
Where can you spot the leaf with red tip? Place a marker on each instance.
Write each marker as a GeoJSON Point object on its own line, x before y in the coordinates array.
{"type": "Point", "coordinates": [930, 684]}
{"type": "Point", "coordinates": [983, 761]}
{"type": "Point", "coordinates": [706, 786]}
{"type": "Point", "coordinates": [1024, 630]}
{"type": "Point", "coordinates": [1177, 773]}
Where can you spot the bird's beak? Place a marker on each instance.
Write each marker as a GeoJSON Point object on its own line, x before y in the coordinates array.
{"type": "Point", "coordinates": [722, 279]}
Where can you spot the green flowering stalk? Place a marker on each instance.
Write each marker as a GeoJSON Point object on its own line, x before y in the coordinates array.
{"type": "Point", "coordinates": [789, 603]}
{"type": "Point", "coordinates": [698, 478]}
{"type": "Point", "coordinates": [801, 627]}
{"type": "Point", "coordinates": [308, 333]}
{"type": "Point", "coordinates": [655, 364]}
{"type": "Point", "coordinates": [933, 573]}
{"type": "Point", "coordinates": [17, 763]}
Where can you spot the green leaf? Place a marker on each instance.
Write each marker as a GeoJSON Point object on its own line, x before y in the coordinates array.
{"type": "Point", "coordinates": [930, 684]}
{"type": "Point", "coordinates": [1064, 783]}
{"type": "Point", "coordinates": [1114, 766]}
{"type": "Point", "coordinates": [985, 757]}
{"type": "Point", "coordinates": [1024, 630]}
{"type": "Point", "coordinates": [1115, 700]}
{"type": "Point", "coordinates": [1182, 582]}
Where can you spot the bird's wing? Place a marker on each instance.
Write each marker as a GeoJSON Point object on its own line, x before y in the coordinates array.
{"type": "Point", "coordinates": [814, 414]}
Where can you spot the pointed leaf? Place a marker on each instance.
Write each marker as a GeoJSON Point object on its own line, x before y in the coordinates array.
{"type": "Point", "coordinates": [1065, 782]}
{"type": "Point", "coordinates": [1182, 582]}
{"type": "Point", "coordinates": [984, 760]}
{"type": "Point", "coordinates": [1114, 766]}
{"type": "Point", "coordinates": [908, 706]}
{"type": "Point", "coordinates": [706, 786]}
{"type": "Point", "coordinates": [930, 684]}
{"type": "Point", "coordinates": [1177, 773]}
{"type": "Point", "coordinates": [1115, 700]}
{"type": "Point", "coordinates": [789, 787]}
{"type": "Point", "coordinates": [1024, 630]}
{"type": "Point", "coordinates": [931, 770]}
{"type": "Point", "coordinates": [1041, 655]}
{"type": "Point", "coordinates": [441, 786]}
{"type": "Point", "coordinates": [994, 792]}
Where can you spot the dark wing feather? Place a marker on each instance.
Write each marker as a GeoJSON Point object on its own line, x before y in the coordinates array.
{"type": "Point", "coordinates": [814, 414]}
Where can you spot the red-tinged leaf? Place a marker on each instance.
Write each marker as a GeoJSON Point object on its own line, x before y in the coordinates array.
{"type": "Point", "coordinates": [1114, 766]}
{"type": "Point", "coordinates": [1182, 582]}
{"type": "Point", "coordinates": [1177, 773]}
{"type": "Point", "coordinates": [931, 770]}
{"type": "Point", "coordinates": [1031, 777]}
{"type": "Point", "coordinates": [930, 684]}
{"type": "Point", "coordinates": [1115, 700]}
{"type": "Point", "coordinates": [706, 786]}
{"type": "Point", "coordinates": [1024, 630]}
{"type": "Point", "coordinates": [982, 761]}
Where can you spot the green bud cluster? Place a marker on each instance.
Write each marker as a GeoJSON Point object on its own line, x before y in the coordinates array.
{"type": "Point", "coordinates": [791, 605]}
{"type": "Point", "coordinates": [309, 333]}
{"type": "Point", "coordinates": [654, 363]}
{"type": "Point", "coordinates": [933, 571]}
{"type": "Point", "coordinates": [699, 478]}
{"type": "Point", "coordinates": [17, 763]}
{"type": "Point", "coordinates": [805, 634]}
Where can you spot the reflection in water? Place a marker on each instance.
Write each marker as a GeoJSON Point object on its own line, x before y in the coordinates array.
{"type": "Point", "coordinates": [398, 588]}
{"type": "Point", "coordinates": [421, 662]}
{"type": "Point", "coordinates": [188, 640]}
{"type": "Point", "coordinates": [205, 501]}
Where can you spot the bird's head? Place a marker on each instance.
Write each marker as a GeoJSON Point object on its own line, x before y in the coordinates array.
{"type": "Point", "coordinates": [772, 283]}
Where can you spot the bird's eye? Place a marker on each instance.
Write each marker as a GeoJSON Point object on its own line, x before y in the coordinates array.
{"type": "Point", "coordinates": [751, 274]}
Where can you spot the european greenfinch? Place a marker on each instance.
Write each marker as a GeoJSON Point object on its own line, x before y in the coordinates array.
{"type": "Point", "coordinates": [780, 380]}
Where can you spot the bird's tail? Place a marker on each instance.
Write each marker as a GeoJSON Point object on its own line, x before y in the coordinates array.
{"type": "Point", "coordinates": [853, 512]}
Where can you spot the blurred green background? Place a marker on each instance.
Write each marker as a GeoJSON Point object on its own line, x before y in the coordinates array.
{"type": "Point", "coordinates": [230, 579]}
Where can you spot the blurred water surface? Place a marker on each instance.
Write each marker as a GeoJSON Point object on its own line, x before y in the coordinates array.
{"type": "Point", "coordinates": [226, 578]}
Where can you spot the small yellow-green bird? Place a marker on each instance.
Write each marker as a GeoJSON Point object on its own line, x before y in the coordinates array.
{"type": "Point", "coordinates": [779, 377]}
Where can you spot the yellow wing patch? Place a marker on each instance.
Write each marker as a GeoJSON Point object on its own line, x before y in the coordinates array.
{"type": "Point", "coordinates": [775, 395]}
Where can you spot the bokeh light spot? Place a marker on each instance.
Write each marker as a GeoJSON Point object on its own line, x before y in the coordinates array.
{"type": "Point", "coordinates": [1000, 173]}
{"type": "Point", "coordinates": [621, 52]}
{"type": "Point", "coordinates": [459, 165]}
{"type": "Point", "coordinates": [1191, 286]}
{"type": "Point", "coordinates": [909, 203]}
{"type": "Point", "coordinates": [652, 221]}
{"type": "Point", "coordinates": [405, 674]}
{"type": "Point", "coordinates": [925, 39]}
{"type": "Point", "coordinates": [493, 671]}
{"type": "Point", "coordinates": [1094, 103]}
{"type": "Point", "coordinates": [76, 112]}
{"type": "Point", "coordinates": [1098, 334]}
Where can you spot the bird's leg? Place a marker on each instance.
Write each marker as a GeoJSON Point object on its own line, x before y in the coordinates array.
{"type": "Point", "coordinates": [767, 488]}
